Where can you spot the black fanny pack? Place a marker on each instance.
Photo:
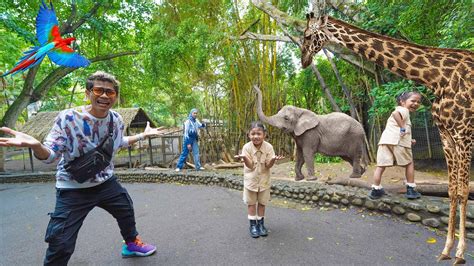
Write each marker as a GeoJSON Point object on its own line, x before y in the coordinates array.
{"type": "Point", "coordinates": [94, 161]}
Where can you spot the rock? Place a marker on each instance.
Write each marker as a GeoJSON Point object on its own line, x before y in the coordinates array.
{"type": "Point", "coordinates": [345, 201]}
{"type": "Point", "coordinates": [314, 198]}
{"type": "Point", "coordinates": [287, 194]}
{"type": "Point", "coordinates": [469, 225]}
{"type": "Point", "coordinates": [369, 205]}
{"type": "Point", "coordinates": [445, 219]}
{"type": "Point", "coordinates": [433, 208]}
{"type": "Point", "coordinates": [357, 202]}
{"type": "Point", "coordinates": [445, 210]}
{"type": "Point", "coordinates": [414, 206]}
{"type": "Point", "coordinates": [432, 222]}
{"type": "Point", "coordinates": [383, 207]}
{"type": "Point", "coordinates": [412, 217]}
{"type": "Point", "coordinates": [301, 196]}
{"type": "Point", "coordinates": [470, 212]}
{"type": "Point", "coordinates": [470, 235]}
{"type": "Point", "coordinates": [326, 197]}
{"type": "Point", "coordinates": [388, 200]}
{"type": "Point", "coordinates": [335, 199]}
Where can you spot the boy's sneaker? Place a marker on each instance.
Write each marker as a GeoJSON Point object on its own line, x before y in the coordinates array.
{"type": "Point", "coordinates": [137, 249]}
{"type": "Point", "coordinates": [177, 169]}
{"type": "Point", "coordinates": [412, 193]}
{"type": "Point", "coordinates": [376, 193]}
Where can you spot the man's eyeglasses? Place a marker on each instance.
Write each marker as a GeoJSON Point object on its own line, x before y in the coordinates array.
{"type": "Point", "coordinates": [98, 91]}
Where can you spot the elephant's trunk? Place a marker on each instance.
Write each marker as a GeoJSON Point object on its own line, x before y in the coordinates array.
{"type": "Point", "coordinates": [260, 113]}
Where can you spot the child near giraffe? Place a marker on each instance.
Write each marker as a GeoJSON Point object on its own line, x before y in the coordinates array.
{"type": "Point", "coordinates": [395, 145]}
{"type": "Point", "coordinates": [258, 157]}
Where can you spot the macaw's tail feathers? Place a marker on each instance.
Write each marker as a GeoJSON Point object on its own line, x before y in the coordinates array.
{"type": "Point", "coordinates": [28, 61]}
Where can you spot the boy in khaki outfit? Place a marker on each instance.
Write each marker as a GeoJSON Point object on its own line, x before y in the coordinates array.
{"type": "Point", "coordinates": [395, 145]}
{"type": "Point", "coordinates": [258, 157]}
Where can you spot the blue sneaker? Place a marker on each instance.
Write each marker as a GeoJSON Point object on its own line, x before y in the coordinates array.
{"type": "Point", "coordinates": [412, 193]}
{"type": "Point", "coordinates": [376, 193]}
{"type": "Point", "coordinates": [137, 249]}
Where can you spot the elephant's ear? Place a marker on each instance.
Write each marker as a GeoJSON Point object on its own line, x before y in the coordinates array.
{"type": "Point", "coordinates": [306, 121]}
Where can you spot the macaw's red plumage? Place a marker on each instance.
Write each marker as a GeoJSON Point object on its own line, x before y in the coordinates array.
{"type": "Point", "coordinates": [51, 44]}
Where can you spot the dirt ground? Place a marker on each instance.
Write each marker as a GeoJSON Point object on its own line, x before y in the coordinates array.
{"type": "Point", "coordinates": [391, 176]}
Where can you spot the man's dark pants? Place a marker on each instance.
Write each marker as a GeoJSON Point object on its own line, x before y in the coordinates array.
{"type": "Point", "coordinates": [72, 207]}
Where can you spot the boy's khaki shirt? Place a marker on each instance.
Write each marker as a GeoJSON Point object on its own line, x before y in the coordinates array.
{"type": "Point", "coordinates": [391, 133]}
{"type": "Point", "coordinates": [258, 178]}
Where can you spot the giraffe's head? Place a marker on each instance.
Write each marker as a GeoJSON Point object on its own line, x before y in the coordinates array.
{"type": "Point", "coordinates": [314, 38]}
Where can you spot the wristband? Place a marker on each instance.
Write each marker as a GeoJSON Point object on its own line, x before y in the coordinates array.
{"type": "Point", "coordinates": [403, 130]}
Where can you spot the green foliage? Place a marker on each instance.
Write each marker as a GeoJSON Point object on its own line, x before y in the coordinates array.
{"type": "Point", "coordinates": [326, 159]}
{"type": "Point", "coordinates": [442, 23]}
{"type": "Point", "coordinates": [189, 57]}
{"type": "Point", "coordinates": [385, 98]}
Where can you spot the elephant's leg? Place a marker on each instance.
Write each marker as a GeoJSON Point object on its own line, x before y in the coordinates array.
{"type": "Point", "coordinates": [356, 168]}
{"type": "Point", "coordinates": [347, 159]}
{"type": "Point", "coordinates": [299, 164]}
{"type": "Point", "coordinates": [308, 155]}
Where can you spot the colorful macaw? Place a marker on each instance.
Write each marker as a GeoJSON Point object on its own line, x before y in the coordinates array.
{"type": "Point", "coordinates": [51, 44]}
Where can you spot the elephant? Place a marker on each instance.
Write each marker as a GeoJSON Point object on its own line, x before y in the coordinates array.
{"type": "Point", "coordinates": [334, 134]}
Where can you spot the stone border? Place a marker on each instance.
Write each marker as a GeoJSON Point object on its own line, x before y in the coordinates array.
{"type": "Point", "coordinates": [430, 211]}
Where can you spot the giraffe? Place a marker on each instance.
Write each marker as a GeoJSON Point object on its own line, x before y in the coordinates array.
{"type": "Point", "coordinates": [449, 73]}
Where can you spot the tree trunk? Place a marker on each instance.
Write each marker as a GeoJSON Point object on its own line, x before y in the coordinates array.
{"type": "Point", "coordinates": [346, 91]}
{"type": "Point", "coordinates": [326, 90]}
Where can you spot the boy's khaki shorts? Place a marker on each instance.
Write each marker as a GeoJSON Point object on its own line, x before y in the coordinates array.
{"type": "Point", "coordinates": [390, 155]}
{"type": "Point", "coordinates": [252, 197]}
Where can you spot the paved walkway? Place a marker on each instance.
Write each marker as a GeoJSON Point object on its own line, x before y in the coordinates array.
{"type": "Point", "coordinates": [197, 225]}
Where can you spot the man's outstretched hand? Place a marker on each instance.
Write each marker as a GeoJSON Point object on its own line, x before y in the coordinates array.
{"type": "Point", "coordinates": [151, 132]}
{"type": "Point", "coordinates": [19, 139]}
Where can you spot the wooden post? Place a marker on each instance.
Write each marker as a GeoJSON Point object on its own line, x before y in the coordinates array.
{"type": "Point", "coordinates": [23, 155]}
{"type": "Point", "coordinates": [140, 151]}
{"type": "Point", "coordinates": [430, 154]}
{"type": "Point", "coordinates": [3, 156]}
{"type": "Point", "coordinates": [163, 150]}
{"type": "Point", "coordinates": [150, 148]}
{"type": "Point", "coordinates": [31, 160]}
{"type": "Point", "coordinates": [129, 148]}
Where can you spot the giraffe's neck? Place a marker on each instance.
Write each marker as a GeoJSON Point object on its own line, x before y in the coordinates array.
{"type": "Point", "coordinates": [429, 66]}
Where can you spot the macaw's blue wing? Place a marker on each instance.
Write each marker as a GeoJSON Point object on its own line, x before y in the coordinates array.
{"type": "Point", "coordinates": [46, 24]}
{"type": "Point", "coordinates": [65, 56]}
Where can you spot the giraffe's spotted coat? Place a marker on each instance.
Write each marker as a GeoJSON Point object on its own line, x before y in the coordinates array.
{"type": "Point", "coordinates": [448, 72]}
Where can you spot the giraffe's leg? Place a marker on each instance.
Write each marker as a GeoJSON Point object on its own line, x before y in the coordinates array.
{"type": "Point", "coordinates": [450, 154]}
{"type": "Point", "coordinates": [462, 233]}
{"type": "Point", "coordinates": [451, 229]}
{"type": "Point", "coordinates": [463, 194]}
